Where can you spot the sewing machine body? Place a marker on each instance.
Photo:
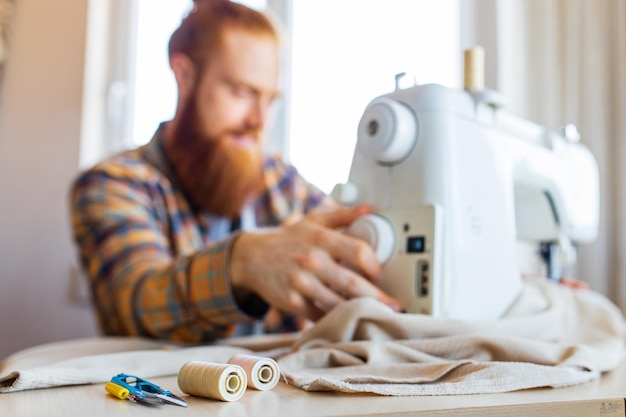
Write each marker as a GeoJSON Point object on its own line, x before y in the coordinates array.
{"type": "Point", "coordinates": [467, 181]}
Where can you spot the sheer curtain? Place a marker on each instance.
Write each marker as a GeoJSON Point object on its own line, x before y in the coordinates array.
{"type": "Point", "coordinates": [567, 63]}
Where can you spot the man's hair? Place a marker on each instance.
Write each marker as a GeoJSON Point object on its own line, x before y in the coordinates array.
{"type": "Point", "coordinates": [200, 32]}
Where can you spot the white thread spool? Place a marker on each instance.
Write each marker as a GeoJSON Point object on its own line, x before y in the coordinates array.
{"type": "Point", "coordinates": [263, 373]}
{"type": "Point", "coordinates": [219, 381]}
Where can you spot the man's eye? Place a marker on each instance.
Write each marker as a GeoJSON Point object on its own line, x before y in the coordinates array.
{"type": "Point", "coordinates": [242, 91]}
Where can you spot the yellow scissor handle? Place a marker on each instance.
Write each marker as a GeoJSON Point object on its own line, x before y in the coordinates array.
{"type": "Point", "coordinates": [116, 390]}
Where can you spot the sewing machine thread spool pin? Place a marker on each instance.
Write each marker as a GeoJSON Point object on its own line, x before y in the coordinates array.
{"type": "Point", "coordinates": [398, 80]}
{"type": "Point", "coordinates": [474, 79]}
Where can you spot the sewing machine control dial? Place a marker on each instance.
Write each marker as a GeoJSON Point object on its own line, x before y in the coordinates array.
{"type": "Point", "coordinates": [387, 131]}
{"type": "Point", "coordinates": [378, 232]}
{"type": "Point", "coordinates": [407, 243]}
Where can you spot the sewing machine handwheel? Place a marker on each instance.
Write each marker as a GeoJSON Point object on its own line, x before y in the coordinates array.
{"type": "Point", "coordinates": [378, 232]}
{"type": "Point", "coordinates": [387, 131]}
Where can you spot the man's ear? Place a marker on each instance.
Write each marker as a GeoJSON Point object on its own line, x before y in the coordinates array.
{"type": "Point", "coordinates": [184, 72]}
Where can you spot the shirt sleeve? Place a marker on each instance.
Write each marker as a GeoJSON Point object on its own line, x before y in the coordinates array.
{"type": "Point", "coordinates": [139, 286]}
{"type": "Point", "coordinates": [290, 195]}
{"type": "Point", "coordinates": [289, 198]}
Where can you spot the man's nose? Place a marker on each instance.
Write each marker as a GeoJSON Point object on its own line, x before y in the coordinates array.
{"type": "Point", "coordinates": [258, 114]}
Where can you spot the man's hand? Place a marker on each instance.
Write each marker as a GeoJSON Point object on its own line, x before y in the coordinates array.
{"type": "Point", "coordinates": [308, 267]}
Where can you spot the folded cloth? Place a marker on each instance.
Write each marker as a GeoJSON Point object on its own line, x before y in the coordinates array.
{"type": "Point", "coordinates": [131, 356]}
{"type": "Point", "coordinates": [50, 353]}
{"type": "Point", "coordinates": [552, 336]}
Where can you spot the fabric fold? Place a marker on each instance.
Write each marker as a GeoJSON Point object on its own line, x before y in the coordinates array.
{"type": "Point", "coordinates": [101, 368]}
{"type": "Point", "coordinates": [553, 336]}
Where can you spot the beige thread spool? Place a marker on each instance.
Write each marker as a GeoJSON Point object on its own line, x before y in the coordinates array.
{"type": "Point", "coordinates": [218, 381]}
{"type": "Point", "coordinates": [263, 373]}
{"type": "Point", "coordinates": [474, 73]}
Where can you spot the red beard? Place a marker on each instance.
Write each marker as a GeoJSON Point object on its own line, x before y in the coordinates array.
{"type": "Point", "coordinates": [217, 175]}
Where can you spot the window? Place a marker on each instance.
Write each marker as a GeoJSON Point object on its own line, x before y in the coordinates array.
{"type": "Point", "coordinates": [347, 52]}
{"type": "Point", "coordinates": [154, 89]}
{"type": "Point", "coordinates": [343, 53]}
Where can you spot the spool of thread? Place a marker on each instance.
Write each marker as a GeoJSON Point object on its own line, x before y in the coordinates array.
{"type": "Point", "coordinates": [474, 72]}
{"type": "Point", "coordinates": [218, 381]}
{"type": "Point", "coordinates": [262, 373]}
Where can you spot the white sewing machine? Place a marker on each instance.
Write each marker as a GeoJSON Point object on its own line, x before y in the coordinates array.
{"type": "Point", "coordinates": [455, 183]}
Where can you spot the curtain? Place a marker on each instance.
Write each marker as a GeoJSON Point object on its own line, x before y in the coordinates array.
{"type": "Point", "coordinates": [566, 62]}
{"type": "Point", "coordinates": [6, 16]}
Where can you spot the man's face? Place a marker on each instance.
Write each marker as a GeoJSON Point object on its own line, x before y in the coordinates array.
{"type": "Point", "coordinates": [238, 86]}
{"type": "Point", "coordinates": [216, 149]}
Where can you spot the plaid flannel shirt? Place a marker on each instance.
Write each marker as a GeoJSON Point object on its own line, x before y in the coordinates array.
{"type": "Point", "coordinates": [153, 268]}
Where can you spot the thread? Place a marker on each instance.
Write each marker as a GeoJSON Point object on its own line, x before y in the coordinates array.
{"type": "Point", "coordinates": [226, 382]}
{"type": "Point", "coordinates": [474, 74]}
{"type": "Point", "coordinates": [262, 373]}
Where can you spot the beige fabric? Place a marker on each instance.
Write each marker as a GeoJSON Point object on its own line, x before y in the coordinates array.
{"type": "Point", "coordinates": [131, 356]}
{"type": "Point", "coordinates": [49, 353]}
{"type": "Point", "coordinates": [552, 337]}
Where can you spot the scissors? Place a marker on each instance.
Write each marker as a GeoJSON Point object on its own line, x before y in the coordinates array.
{"type": "Point", "coordinates": [135, 389]}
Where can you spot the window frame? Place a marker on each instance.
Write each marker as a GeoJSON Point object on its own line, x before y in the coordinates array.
{"type": "Point", "coordinates": [109, 96]}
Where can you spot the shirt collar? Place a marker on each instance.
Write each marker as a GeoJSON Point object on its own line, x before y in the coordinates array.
{"type": "Point", "coordinates": [154, 153]}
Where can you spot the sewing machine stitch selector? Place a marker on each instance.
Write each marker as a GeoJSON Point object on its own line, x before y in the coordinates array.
{"type": "Point", "coordinates": [405, 240]}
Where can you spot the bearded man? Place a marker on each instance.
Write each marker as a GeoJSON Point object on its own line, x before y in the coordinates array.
{"type": "Point", "coordinates": [198, 233]}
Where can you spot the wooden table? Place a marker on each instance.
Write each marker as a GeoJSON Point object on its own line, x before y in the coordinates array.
{"type": "Point", "coordinates": [601, 398]}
